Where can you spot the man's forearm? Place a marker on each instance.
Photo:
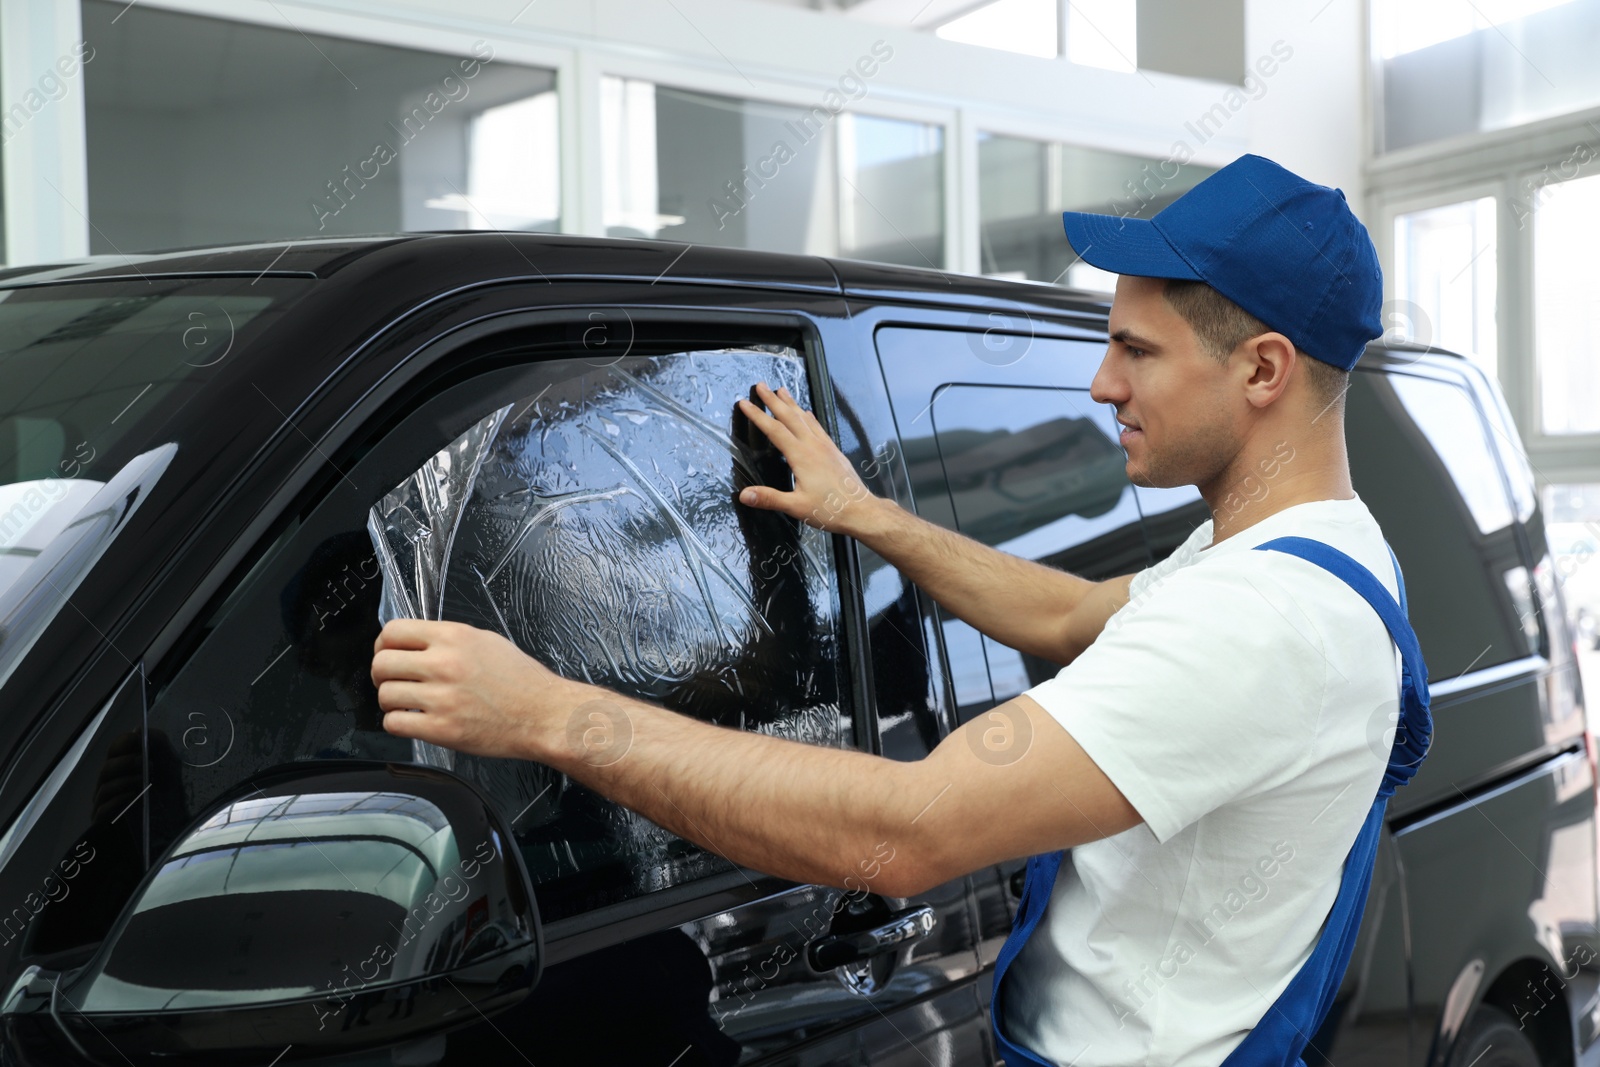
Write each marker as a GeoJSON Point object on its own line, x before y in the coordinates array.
{"type": "Point", "coordinates": [1020, 603]}
{"type": "Point", "coordinates": [799, 811]}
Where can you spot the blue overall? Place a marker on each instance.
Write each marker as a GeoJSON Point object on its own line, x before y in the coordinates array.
{"type": "Point", "coordinates": [1288, 1024]}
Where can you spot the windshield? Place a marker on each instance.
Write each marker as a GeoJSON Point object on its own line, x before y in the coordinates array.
{"type": "Point", "coordinates": [91, 375]}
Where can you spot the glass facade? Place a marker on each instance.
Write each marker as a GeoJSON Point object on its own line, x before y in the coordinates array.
{"type": "Point", "coordinates": [1449, 68]}
{"type": "Point", "coordinates": [204, 131]}
{"type": "Point", "coordinates": [1566, 305]}
{"type": "Point", "coordinates": [1024, 185]}
{"type": "Point", "coordinates": [688, 166]}
{"type": "Point", "coordinates": [1444, 268]}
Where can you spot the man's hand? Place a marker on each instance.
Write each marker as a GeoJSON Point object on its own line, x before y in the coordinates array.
{"type": "Point", "coordinates": [468, 689]}
{"type": "Point", "coordinates": [828, 493]}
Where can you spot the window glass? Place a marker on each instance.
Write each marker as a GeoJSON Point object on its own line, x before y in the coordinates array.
{"type": "Point", "coordinates": [286, 134]}
{"type": "Point", "coordinates": [1566, 305]}
{"type": "Point", "coordinates": [97, 393]}
{"type": "Point", "coordinates": [595, 524]}
{"type": "Point", "coordinates": [1025, 185]}
{"type": "Point", "coordinates": [1420, 460]}
{"type": "Point", "coordinates": [1444, 265]}
{"type": "Point", "coordinates": [1454, 67]}
{"type": "Point", "coordinates": [689, 166]}
{"type": "Point", "coordinates": [86, 373]}
{"type": "Point", "coordinates": [1448, 418]}
{"type": "Point", "coordinates": [891, 201]}
{"type": "Point", "coordinates": [1036, 473]}
{"type": "Point", "coordinates": [1003, 443]}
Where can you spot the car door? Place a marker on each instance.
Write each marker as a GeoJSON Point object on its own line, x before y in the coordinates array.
{"type": "Point", "coordinates": [1003, 443]}
{"type": "Point", "coordinates": [578, 496]}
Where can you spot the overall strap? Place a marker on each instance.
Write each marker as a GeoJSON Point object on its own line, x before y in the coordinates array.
{"type": "Point", "coordinates": [1414, 732]}
{"type": "Point", "coordinates": [1286, 1027]}
{"type": "Point", "coordinates": [1288, 1023]}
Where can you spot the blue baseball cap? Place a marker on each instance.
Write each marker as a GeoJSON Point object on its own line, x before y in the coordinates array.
{"type": "Point", "coordinates": [1288, 251]}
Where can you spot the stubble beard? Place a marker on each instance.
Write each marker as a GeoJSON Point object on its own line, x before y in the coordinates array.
{"type": "Point", "coordinates": [1195, 459]}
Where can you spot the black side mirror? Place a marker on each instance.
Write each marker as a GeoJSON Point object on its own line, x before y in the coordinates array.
{"type": "Point", "coordinates": [320, 908]}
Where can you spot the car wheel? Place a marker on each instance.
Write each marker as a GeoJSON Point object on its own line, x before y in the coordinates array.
{"type": "Point", "coordinates": [1492, 1038]}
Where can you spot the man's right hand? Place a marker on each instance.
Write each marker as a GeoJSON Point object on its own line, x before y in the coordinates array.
{"type": "Point", "coordinates": [828, 493]}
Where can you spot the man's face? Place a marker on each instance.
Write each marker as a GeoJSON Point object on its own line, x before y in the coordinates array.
{"type": "Point", "coordinates": [1161, 381]}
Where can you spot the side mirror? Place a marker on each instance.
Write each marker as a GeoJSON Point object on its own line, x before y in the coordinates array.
{"type": "Point", "coordinates": [323, 907]}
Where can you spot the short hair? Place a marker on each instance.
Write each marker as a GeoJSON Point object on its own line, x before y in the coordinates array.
{"type": "Point", "coordinates": [1221, 325]}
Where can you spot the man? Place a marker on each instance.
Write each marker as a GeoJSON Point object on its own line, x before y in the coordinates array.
{"type": "Point", "coordinates": [1211, 747]}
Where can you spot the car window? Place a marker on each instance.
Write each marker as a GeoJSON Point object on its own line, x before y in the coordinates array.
{"type": "Point", "coordinates": [1038, 473]}
{"type": "Point", "coordinates": [1421, 460]}
{"type": "Point", "coordinates": [1003, 443]}
{"type": "Point", "coordinates": [584, 508]}
{"type": "Point", "coordinates": [97, 383]}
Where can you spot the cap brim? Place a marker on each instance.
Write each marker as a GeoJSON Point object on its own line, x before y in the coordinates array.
{"type": "Point", "coordinates": [1124, 245]}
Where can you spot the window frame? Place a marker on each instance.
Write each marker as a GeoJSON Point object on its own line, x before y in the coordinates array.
{"type": "Point", "coordinates": [1498, 163]}
{"type": "Point", "coordinates": [417, 374]}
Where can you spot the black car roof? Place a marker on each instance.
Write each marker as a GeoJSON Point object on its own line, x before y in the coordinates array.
{"type": "Point", "coordinates": [458, 258]}
{"type": "Point", "coordinates": [469, 256]}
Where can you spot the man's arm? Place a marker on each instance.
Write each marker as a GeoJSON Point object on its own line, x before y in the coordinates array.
{"type": "Point", "coordinates": [799, 811]}
{"type": "Point", "coordinates": [1020, 603]}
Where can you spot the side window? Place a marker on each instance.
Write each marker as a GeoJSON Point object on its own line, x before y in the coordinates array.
{"type": "Point", "coordinates": [585, 509]}
{"type": "Point", "coordinates": [1421, 459]}
{"type": "Point", "coordinates": [1016, 455]}
{"type": "Point", "coordinates": [1038, 473]}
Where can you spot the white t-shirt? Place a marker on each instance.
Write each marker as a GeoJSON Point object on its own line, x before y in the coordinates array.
{"type": "Point", "coordinates": [1244, 702]}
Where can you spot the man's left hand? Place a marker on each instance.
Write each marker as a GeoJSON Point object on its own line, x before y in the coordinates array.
{"type": "Point", "coordinates": [466, 688]}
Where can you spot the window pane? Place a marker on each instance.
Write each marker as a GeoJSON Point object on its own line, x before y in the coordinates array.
{"type": "Point", "coordinates": [1024, 186]}
{"type": "Point", "coordinates": [1037, 473]}
{"type": "Point", "coordinates": [1026, 26]}
{"type": "Point", "coordinates": [1566, 305]}
{"type": "Point", "coordinates": [1447, 416]}
{"type": "Point", "coordinates": [891, 198]}
{"type": "Point", "coordinates": [1444, 265]}
{"type": "Point", "coordinates": [718, 170]}
{"type": "Point", "coordinates": [598, 531]}
{"type": "Point", "coordinates": [1421, 461]}
{"type": "Point", "coordinates": [297, 134]}
{"type": "Point", "coordinates": [1452, 67]}
{"type": "Point", "coordinates": [1028, 464]}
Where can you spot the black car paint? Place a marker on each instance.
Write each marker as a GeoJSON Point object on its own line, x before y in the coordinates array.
{"type": "Point", "coordinates": [364, 332]}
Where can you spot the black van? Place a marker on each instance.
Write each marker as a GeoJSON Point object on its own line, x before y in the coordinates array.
{"type": "Point", "coordinates": [219, 469]}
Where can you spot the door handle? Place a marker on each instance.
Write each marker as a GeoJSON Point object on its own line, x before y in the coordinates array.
{"type": "Point", "coordinates": [826, 953]}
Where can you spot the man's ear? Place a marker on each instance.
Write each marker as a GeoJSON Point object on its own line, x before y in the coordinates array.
{"type": "Point", "coordinates": [1270, 359]}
